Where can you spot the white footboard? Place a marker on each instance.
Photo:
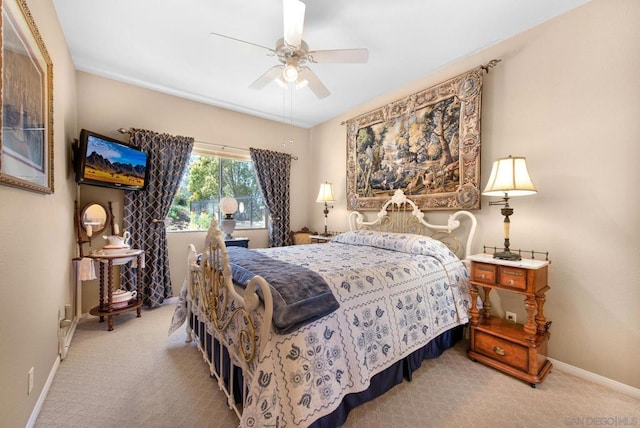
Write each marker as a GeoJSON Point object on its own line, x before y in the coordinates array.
{"type": "Point", "coordinates": [228, 324]}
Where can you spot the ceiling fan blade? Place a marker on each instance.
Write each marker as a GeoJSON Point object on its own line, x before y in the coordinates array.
{"type": "Point", "coordinates": [339, 55]}
{"type": "Point", "coordinates": [243, 41]}
{"type": "Point", "coordinates": [293, 13]}
{"type": "Point", "coordinates": [316, 86]}
{"type": "Point", "coordinates": [269, 76]}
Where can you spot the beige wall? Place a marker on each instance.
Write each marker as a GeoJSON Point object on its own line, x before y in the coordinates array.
{"type": "Point", "coordinates": [105, 105]}
{"type": "Point", "coordinates": [36, 235]}
{"type": "Point", "coordinates": [567, 96]}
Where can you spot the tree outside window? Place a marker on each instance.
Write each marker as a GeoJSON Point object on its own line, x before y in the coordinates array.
{"type": "Point", "coordinates": [207, 180]}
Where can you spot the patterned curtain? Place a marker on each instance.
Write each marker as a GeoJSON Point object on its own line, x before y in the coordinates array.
{"type": "Point", "coordinates": [273, 171]}
{"type": "Point", "coordinates": [145, 211]}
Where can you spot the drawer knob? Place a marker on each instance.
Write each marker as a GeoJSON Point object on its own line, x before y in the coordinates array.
{"type": "Point", "coordinates": [498, 350]}
{"type": "Point", "coordinates": [483, 276]}
{"type": "Point", "coordinates": [511, 282]}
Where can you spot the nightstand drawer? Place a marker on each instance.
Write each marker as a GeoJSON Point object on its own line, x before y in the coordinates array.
{"type": "Point", "coordinates": [483, 272]}
{"type": "Point", "coordinates": [502, 350]}
{"type": "Point", "coordinates": [513, 277]}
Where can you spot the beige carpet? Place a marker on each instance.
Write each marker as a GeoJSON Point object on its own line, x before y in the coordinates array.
{"type": "Point", "coordinates": [136, 376]}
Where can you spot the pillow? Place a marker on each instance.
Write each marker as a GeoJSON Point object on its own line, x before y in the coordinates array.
{"type": "Point", "coordinates": [402, 242]}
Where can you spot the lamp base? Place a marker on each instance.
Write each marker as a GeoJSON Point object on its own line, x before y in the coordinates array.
{"type": "Point", "coordinates": [507, 255]}
{"type": "Point", "coordinates": [227, 225]}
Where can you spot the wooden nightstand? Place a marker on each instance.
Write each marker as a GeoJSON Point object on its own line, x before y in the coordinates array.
{"type": "Point", "coordinates": [237, 242]}
{"type": "Point", "coordinates": [516, 349]}
{"type": "Point", "coordinates": [319, 239]}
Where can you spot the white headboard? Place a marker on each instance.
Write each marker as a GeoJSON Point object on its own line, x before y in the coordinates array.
{"type": "Point", "coordinates": [401, 215]}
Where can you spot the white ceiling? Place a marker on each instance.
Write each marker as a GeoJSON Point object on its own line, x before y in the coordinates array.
{"type": "Point", "coordinates": [166, 45]}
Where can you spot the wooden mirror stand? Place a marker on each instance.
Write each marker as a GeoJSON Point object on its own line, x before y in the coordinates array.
{"type": "Point", "coordinates": [93, 219]}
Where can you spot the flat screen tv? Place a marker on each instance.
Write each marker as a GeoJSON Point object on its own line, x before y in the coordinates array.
{"type": "Point", "coordinates": [104, 161]}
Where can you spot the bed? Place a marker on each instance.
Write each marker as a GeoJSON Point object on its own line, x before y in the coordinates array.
{"type": "Point", "coordinates": [351, 319]}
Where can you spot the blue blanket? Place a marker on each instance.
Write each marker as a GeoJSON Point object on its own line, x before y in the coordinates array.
{"type": "Point", "coordinates": [299, 294]}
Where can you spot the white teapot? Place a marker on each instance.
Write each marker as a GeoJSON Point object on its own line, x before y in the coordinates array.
{"type": "Point", "coordinates": [118, 241]}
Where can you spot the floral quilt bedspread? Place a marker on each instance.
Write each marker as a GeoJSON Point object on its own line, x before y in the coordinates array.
{"type": "Point", "coordinates": [396, 293]}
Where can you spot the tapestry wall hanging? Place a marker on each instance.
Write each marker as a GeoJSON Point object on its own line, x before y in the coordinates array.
{"type": "Point", "coordinates": [427, 144]}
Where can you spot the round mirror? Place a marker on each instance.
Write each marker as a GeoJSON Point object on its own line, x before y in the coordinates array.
{"type": "Point", "coordinates": [94, 218]}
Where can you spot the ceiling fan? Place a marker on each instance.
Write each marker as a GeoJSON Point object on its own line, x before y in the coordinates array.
{"type": "Point", "coordinates": [293, 54]}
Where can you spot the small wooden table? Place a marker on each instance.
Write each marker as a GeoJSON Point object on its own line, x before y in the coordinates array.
{"type": "Point", "coordinates": [105, 308]}
{"type": "Point", "coordinates": [237, 242]}
{"type": "Point", "coordinates": [319, 239]}
{"type": "Point", "coordinates": [519, 350]}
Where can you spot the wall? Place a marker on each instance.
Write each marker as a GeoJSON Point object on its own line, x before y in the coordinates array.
{"type": "Point", "coordinates": [105, 105]}
{"type": "Point", "coordinates": [36, 232]}
{"type": "Point", "coordinates": [567, 96]}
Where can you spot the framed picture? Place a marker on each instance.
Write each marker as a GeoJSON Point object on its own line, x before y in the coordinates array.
{"type": "Point", "coordinates": [427, 144]}
{"type": "Point", "coordinates": [26, 136]}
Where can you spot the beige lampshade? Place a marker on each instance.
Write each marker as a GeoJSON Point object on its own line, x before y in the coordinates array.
{"type": "Point", "coordinates": [326, 193]}
{"type": "Point", "coordinates": [509, 176]}
{"type": "Point", "coordinates": [228, 205]}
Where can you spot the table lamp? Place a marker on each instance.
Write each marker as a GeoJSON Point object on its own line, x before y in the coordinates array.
{"type": "Point", "coordinates": [228, 206]}
{"type": "Point", "coordinates": [509, 177]}
{"type": "Point", "coordinates": [325, 195]}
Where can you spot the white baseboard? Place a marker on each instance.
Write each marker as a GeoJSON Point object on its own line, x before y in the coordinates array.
{"type": "Point", "coordinates": [62, 353]}
{"type": "Point", "coordinates": [65, 342]}
{"type": "Point", "coordinates": [43, 394]}
{"type": "Point", "coordinates": [595, 378]}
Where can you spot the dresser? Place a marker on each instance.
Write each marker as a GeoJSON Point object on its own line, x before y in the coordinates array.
{"type": "Point", "coordinates": [519, 350]}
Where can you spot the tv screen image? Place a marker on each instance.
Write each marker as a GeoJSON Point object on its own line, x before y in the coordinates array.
{"type": "Point", "coordinates": [110, 163]}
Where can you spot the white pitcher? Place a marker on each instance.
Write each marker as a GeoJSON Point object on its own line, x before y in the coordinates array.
{"type": "Point", "coordinates": [118, 241]}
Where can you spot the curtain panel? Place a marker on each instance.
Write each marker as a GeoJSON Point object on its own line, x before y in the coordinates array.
{"type": "Point", "coordinates": [145, 211]}
{"type": "Point", "coordinates": [274, 175]}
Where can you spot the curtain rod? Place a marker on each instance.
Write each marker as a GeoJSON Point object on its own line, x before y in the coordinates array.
{"type": "Point", "coordinates": [223, 146]}
{"type": "Point", "coordinates": [486, 67]}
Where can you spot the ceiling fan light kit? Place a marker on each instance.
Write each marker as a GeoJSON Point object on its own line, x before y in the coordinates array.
{"type": "Point", "coordinates": [293, 53]}
{"type": "Point", "coordinates": [290, 73]}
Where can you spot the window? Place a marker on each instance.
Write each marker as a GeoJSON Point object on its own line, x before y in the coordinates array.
{"type": "Point", "coordinates": [209, 178]}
